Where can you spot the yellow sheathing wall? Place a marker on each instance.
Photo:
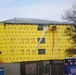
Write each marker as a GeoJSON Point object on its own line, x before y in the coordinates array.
{"type": "Point", "coordinates": [17, 42]}
{"type": "Point", "coordinates": [1, 41]}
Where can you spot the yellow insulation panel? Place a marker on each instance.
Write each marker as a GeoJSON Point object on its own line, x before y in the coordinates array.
{"type": "Point", "coordinates": [18, 41]}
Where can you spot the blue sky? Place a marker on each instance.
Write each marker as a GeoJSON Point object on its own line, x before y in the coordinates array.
{"type": "Point", "coordinates": [41, 9]}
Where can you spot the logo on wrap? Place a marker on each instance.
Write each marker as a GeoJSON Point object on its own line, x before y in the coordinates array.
{"type": "Point", "coordinates": [73, 70]}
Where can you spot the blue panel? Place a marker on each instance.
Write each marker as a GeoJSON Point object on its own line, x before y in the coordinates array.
{"type": "Point", "coordinates": [70, 66]}
{"type": "Point", "coordinates": [1, 71]}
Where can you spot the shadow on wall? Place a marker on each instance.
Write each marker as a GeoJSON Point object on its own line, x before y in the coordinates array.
{"type": "Point", "coordinates": [71, 32]}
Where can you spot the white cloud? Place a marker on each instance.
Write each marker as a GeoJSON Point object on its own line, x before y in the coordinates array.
{"type": "Point", "coordinates": [46, 10]}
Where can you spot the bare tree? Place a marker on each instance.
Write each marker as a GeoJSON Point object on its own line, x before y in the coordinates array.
{"type": "Point", "coordinates": [70, 15]}
{"type": "Point", "coordinates": [72, 33]}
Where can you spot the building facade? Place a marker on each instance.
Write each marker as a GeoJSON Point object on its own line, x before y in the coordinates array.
{"type": "Point", "coordinates": [34, 40]}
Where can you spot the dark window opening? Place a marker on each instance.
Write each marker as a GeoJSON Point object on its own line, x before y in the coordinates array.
{"type": "Point", "coordinates": [75, 28]}
{"type": "Point", "coordinates": [40, 27]}
{"type": "Point", "coordinates": [42, 41]}
{"type": "Point", "coordinates": [68, 29]}
{"type": "Point", "coordinates": [0, 52]}
{"type": "Point", "coordinates": [41, 51]}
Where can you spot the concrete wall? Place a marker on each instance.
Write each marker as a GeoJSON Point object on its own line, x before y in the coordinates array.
{"type": "Point", "coordinates": [11, 69]}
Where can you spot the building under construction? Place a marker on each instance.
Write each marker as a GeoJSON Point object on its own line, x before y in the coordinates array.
{"type": "Point", "coordinates": [34, 46]}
